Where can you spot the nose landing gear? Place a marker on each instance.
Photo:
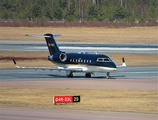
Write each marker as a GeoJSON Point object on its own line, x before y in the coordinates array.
{"type": "Point", "coordinates": [108, 75]}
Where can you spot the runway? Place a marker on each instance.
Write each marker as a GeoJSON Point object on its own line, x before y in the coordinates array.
{"type": "Point", "coordinates": [130, 78]}
{"type": "Point", "coordinates": [121, 73]}
{"type": "Point", "coordinates": [10, 113]}
{"type": "Point", "coordinates": [78, 47]}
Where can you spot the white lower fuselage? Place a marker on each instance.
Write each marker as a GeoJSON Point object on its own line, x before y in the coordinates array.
{"type": "Point", "coordinates": [87, 68]}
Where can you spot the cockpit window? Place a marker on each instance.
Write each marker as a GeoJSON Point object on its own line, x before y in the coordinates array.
{"type": "Point", "coordinates": [103, 59]}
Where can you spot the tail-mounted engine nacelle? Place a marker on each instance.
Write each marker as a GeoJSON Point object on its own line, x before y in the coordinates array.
{"type": "Point", "coordinates": [63, 57]}
{"type": "Point", "coordinates": [50, 57]}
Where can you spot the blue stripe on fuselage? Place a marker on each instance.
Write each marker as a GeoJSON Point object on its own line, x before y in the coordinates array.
{"type": "Point", "coordinates": [84, 59]}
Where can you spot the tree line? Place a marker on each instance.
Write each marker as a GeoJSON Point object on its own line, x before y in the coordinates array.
{"type": "Point", "coordinates": [80, 10]}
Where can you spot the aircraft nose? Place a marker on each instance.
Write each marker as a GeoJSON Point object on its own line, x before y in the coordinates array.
{"type": "Point", "coordinates": [113, 65]}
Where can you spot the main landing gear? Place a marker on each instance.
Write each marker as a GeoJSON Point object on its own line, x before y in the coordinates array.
{"type": "Point", "coordinates": [69, 74]}
{"type": "Point", "coordinates": [88, 75]}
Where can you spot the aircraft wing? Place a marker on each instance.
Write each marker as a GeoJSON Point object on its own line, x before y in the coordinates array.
{"type": "Point", "coordinates": [123, 64]}
{"type": "Point", "coordinates": [49, 68]}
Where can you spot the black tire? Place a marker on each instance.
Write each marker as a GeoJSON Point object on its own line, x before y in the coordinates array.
{"type": "Point", "coordinates": [88, 75]}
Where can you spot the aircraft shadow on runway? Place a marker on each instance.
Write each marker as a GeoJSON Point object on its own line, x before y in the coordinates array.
{"type": "Point", "coordinates": [46, 76]}
{"type": "Point", "coordinates": [36, 75]}
{"type": "Point", "coordinates": [79, 76]}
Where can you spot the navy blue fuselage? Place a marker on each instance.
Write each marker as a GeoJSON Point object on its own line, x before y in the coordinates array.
{"type": "Point", "coordinates": [82, 59]}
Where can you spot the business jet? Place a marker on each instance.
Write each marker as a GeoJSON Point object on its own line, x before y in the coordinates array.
{"type": "Point", "coordinates": [84, 62]}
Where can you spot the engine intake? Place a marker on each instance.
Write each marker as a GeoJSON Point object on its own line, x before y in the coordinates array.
{"type": "Point", "coordinates": [63, 57]}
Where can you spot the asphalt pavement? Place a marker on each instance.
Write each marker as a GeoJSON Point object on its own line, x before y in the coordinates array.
{"type": "Point", "coordinates": [121, 73]}
{"type": "Point", "coordinates": [84, 47]}
{"type": "Point", "coordinates": [12, 113]}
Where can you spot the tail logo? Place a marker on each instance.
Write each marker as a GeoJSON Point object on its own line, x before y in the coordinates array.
{"type": "Point", "coordinates": [50, 44]}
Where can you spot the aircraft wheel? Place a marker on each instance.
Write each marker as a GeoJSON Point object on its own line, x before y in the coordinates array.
{"type": "Point", "coordinates": [108, 75]}
{"type": "Point", "coordinates": [88, 75]}
{"type": "Point", "coordinates": [70, 75]}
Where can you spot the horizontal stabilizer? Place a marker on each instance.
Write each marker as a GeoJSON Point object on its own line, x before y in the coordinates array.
{"type": "Point", "coordinates": [43, 36]}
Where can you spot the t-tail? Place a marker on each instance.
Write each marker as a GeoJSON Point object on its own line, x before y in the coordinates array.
{"type": "Point", "coordinates": [51, 43]}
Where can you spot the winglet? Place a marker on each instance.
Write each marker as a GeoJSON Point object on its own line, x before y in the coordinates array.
{"type": "Point", "coordinates": [123, 62]}
{"type": "Point", "coordinates": [15, 64]}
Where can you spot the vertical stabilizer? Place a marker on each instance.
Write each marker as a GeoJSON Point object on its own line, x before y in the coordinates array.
{"type": "Point", "coordinates": [51, 43]}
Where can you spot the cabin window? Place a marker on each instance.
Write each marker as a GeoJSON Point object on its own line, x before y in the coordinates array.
{"type": "Point", "coordinates": [100, 59]}
{"type": "Point", "coordinates": [79, 60]}
{"type": "Point", "coordinates": [106, 60]}
{"type": "Point", "coordinates": [103, 60]}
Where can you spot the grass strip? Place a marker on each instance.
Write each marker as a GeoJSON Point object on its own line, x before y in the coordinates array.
{"type": "Point", "coordinates": [103, 100]}
{"type": "Point", "coordinates": [84, 34]}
